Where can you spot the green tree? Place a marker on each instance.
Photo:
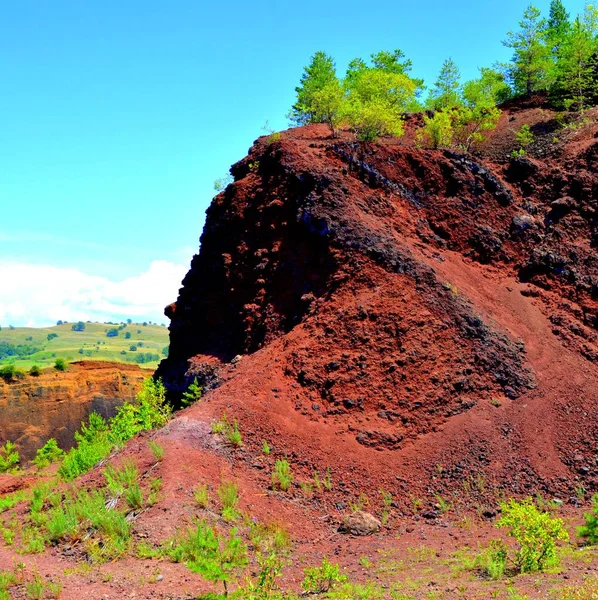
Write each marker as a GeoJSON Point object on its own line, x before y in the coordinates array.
{"type": "Point", "coordinates": [531, 63]}
{"type": "Point", "coordinates": [79, 326]}
{"type": "Point", "coordinates": [446, 91]}
{"type": "Point", "coordinates": [488, 90]}
{"type": "Point", "coordinates": [575, 68]}
{"type": "Point", "coordinates": [558, 26]}
{"type": "Point", "coordinates": [377, 99]}
{"type": "Point", "coordinates": [112, 332]}
{"type": "Point", "coordinates": [318, 75]}
{"type": "Point", "coordinates": [328, 105]}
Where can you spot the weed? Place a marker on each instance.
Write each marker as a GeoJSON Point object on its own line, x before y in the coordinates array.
{"type": "Point", "coordinates": [365, 562]}
{"type": "Point", "coordinates": [229, 430]}
{"type": "Point", "coordinates": [155, 489]}
{"type": "Point", "coordinates": [32, 541]}
{"type": "Point", "coordinates": [443, 505]}
{"type": "Point", "coordinates": [201, 495]}
{"type": "Point", "coordinates": [134, 497]}
{"type": "Point", "coordinates": [265, 448]}
{"type": "Point", "coordinates": [35, 589]}
{"type": "Point", "coordinates": [493, 561]}
{"type": "Point", "coordinates": [228, 493]}
{"type": "Point", "coordinates": [156, 450]}
{"type": "Point", "coordinates": [120, 480]}
{"type": "Point", "coordinates": [588, 590]}
{"type": "Point", "coordinates": [361, 503]}
{"type": "Point", "coordinates": [269, 538]}
{"type": "Point", "coordinates": [282, 476]}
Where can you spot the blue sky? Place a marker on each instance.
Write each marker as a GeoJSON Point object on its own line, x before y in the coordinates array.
{"type": "Point", "coordinates": [116, 117]}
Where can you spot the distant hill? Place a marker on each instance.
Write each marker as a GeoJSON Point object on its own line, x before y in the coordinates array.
{"type": "Point", "coordinates": [141, 343]}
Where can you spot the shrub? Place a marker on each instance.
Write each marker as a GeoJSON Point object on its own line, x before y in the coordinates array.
{"type": "Point", "coordinates": [7, 372]}
{"type": "Point", "coordinates": [60, 364]}
{"type": "Point", "coordinates": [79, 326]}
{"type": "Point", "coordinates": [51, 336]}
{"type": "Point", "coordinates": [49, 453]}
{"type": "Point", "coordinates": [438, 130]}
{"type": "Point", "coordinates": [493, 561]}
{"type": "Point", "coordinates": [282, 476]}
{"type": "Point", "coordinates": [318, 580]}
{"type": "Point", "coordinates": [9, 457]}
{"type": "Point", "coordinates": [536, 532]}
{"type": "Point", "coordinates": [589, 529]}
{"type": "Point", "coordinates": [216, 558]}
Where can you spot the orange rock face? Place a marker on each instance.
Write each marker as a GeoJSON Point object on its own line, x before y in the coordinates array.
{"type": "Point", "coordinates": [54, 404]}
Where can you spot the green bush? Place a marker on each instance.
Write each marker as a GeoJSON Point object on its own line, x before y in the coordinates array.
{"type": "Point", "coordinates": [98, 438]}
{"type": "Point", "coordinates": [11, 373]}
{"type": "Point", "coordinates": [589, 529]}
{"type": "Point", "coordinates": [318, 580]}
{"type": "Point", "coordinates": [536, 533]}
{"type": "Point", "coordinates": [215, 557]}
{"type": "Point", "coordinates": [60, 364]}
{"type": "Point", "coordinates": [49, 453]}
{"type": "Point", "coordinates": [9, 457]}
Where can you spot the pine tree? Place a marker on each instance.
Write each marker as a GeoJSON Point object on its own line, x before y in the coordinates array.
{"type": "Point", "coordinates": [558, 26]}
{"type": "Point", "coordinates": [531, 63]}
{"type": "Point", "coordinates": [318, 75]}
{"type": "Point", "coordinates": [575, 69]}
{"type": "Point", "coordinates": [446, 91]}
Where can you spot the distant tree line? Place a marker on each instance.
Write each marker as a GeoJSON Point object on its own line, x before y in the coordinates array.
{"type": "Point", "coordinates": [556, 56]}
{"type": "Point", "coordinates": [8, 350]}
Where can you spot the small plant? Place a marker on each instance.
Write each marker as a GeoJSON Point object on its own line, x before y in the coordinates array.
{"type": "Point", "coordinates": [589, 530]}
{"type": "Point", "coordinates": [228, 492]}
{"type": "Point", "coordinates": [60, 364]}
{"type": "Point", "coordinates": [361, 503]}
{"type": "Point", "coordinates": [536, 532]}
{"type": "Point", "coordinates": [229, 430]}
{"type": "Point", "coordinates": [319, 580]}
{"type": "Point", "coordinates": [518, 153]}
{"type": "Point", "coordinates": [580, 492]}
{"type": "Point", "coordinates": [134, 497]}
{"type": "Point", "coordinates": [121, 480]}
{"type": "Point", "coordinates": [265, 448]}
{"type": "Point", "coordinates": [443, 505]}
{"type": "Point", "coordinates": [493, 561]}
{"type": "Point", "coordinates": [35, 589]}
{"type": "Point", "coordinates": [35, 371]}
{"type": "Point", "coordinates": [49, 453]}
{"type": "Point", "coordinates": [282, 476]}
{"type": "Point", "coordinates": [524, 136]}
{"type": "Point", "coordinates": [156, 450]}
{"type": "Point", "coordinates": [215, 557]}
{"type": "Point", "coordinates": [193, 394]}
{"type": "Point", "coordinates": [202, 495]}
{"type": "Point", "coordinates": [155, 489]}
{"type": "Point", "coordinates": [9, 457]}
{"type": "Point", "coordinates": [10, 373]}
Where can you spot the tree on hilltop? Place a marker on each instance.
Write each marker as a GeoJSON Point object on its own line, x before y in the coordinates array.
{"type": "Point", "coordinates": [531, 62]}
{"type": "Point", "coordinates": [319, 75]}
{"type": "Point", "coordinates": [446, 92]}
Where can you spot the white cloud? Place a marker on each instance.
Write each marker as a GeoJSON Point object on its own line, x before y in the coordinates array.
{"type": "Point", "coordinates": [39, 295]}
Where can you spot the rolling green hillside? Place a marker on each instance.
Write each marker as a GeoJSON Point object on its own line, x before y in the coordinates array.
{"type": "Point", "coordinates": [144, 344]}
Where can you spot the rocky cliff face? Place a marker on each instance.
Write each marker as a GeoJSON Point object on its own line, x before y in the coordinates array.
{"type": "Point", "coordinates": [388, 290]}
{"type": "Point", "coordinates": [54, 404]}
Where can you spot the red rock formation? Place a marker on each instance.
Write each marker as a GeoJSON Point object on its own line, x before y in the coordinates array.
{"type": "Point", "coordinates": [361, 285]}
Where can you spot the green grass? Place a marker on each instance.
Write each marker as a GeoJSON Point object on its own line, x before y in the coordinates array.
{"type": "Point", "coordinates": [153, 339]}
